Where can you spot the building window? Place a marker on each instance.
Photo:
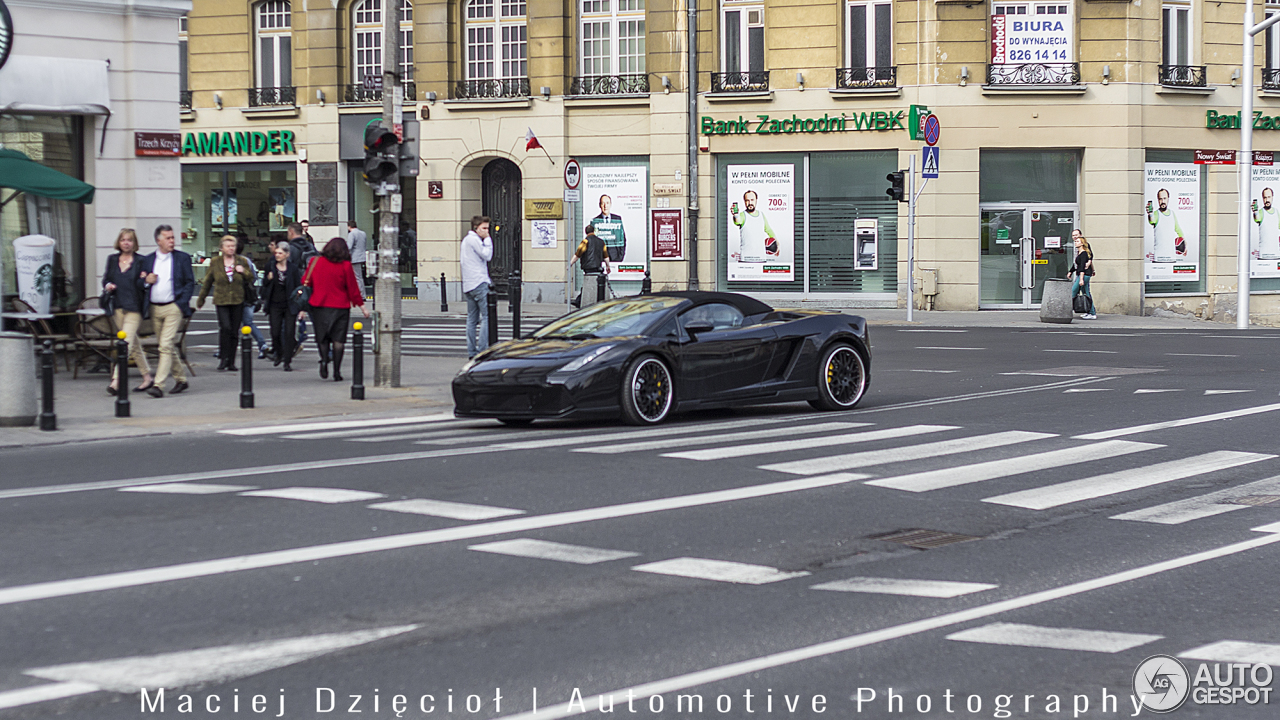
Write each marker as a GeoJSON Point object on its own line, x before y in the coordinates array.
{"type": "Point", "coordinates": [868, 45]}
{"type": "Point", "coordinates": [612, 48]}
{"type": "Point", "coordinates": [1032, 43]}
{"type": "Point", "coordinates": [1271, 45]}
{"type": "Point", "coordinates": [367, 43]}
{"type": "Point", "coordinates": [273, 84]}
{"type": "Point", "coordinates": [1176, 68]}
{"type": "Point", "coordinates": [741, 38]}
{"type": "Point", "coordinates": [184, 90]}
{"type": "Point", "coordinates": [497, 54]}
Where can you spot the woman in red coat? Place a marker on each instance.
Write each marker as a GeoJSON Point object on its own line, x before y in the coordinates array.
{"type": "Point", "coordinates": [334, 290]}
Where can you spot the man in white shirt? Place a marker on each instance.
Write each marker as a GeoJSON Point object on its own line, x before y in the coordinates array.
{"type": "Point", "coordinates": [168, 302]}
{"type": "Point", "coordinates": [477, 251]}
{"type": "Point", "coordinates": [1268, 220]}
{"type": "Point", "coordinates": [756, 238]}
{"type": "Point", "coordinates": [357, 243]}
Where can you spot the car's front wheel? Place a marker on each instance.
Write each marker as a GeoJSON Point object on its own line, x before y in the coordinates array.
{"type": "Point", "coordinates": [842, 378]}
{"type": "Point", "coordinates": [647, 391]}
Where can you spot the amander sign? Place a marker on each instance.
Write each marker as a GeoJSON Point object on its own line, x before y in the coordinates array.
{"type": "Point", "coordinates": [766, 125]}
{"type": "Point", "coordinates": [274, 142]}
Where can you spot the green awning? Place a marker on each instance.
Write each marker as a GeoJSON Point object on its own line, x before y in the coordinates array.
{"type": "Point", "coordinates": [21, 173]}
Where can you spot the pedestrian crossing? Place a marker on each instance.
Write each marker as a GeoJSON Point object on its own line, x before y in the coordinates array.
{"type": "Point", "coordinates": [1053, 471]}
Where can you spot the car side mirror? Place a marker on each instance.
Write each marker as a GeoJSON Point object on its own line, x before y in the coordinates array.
{"type": "Point", "coordinates": [696, 330]}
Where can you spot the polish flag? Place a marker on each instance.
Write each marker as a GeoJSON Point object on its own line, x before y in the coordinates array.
{"type": "Point", "coordinates": [531, 141]}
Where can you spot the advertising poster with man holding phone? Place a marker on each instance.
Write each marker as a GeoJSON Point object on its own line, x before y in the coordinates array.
{"type": "Point", "coordinates": [761, 216]}
{"type": "Point", "coordinates": [1171, 231]}
{"type": "Point", "coordinates": [1264, 256]}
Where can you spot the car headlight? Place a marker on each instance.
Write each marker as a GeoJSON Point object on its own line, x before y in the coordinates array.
{"type": "Point", "coordinates": [580, 362]}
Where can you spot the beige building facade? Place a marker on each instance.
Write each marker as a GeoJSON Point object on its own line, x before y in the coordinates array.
{"type": "Point", "coordinates": [1052, 116]}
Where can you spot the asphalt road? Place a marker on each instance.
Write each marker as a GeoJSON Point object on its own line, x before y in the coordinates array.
{"type": "Point", "coordinates": [760, 561]}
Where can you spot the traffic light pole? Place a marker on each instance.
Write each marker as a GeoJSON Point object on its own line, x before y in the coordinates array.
{"type": "Point", "coordinates": [911, 235]}
{"type": "Point", "coordinates": [386, 292]}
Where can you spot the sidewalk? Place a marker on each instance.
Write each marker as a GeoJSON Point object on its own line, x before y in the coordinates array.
{"type": "Point", "coordinates": [86, 412]}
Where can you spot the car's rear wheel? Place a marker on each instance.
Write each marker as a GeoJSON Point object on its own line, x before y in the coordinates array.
{"type": "Point", "coordinates": [842, 378]}
{"type": "Point", "coordinates": [647, 391]}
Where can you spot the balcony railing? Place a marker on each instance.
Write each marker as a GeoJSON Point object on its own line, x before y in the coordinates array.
{"type": "Point", "coordinates": [273, 96]}
{"type": "Point", "coordinates": [491, 88]}
{"type": "Point", "coordinates": [866, 77]}
{"type": "Point", "coordinates": [609, 85]}
{"type": "Point", "coordinates": [1034, 74]}
{"type": "Point", "coordinates": [1270, 79]}
{"type": "Point", "coordinates": [358, 93]}
{"type": "Point", "coordinates": [184, 99]}
{"type": "Point", "coordinates": [740, 82]}
{"type": "Point", "coordinates": [1183, 76]}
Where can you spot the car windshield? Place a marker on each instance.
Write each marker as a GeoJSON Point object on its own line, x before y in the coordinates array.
{"type": "Point", "coordinates": [614, 318]}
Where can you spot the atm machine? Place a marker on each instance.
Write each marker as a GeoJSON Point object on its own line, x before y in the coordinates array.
{"type": "Point", "coordinates": [865, 248]}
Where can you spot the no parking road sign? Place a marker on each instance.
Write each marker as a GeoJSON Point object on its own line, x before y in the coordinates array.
{"type": "Point", "coordinates": [930, 165]}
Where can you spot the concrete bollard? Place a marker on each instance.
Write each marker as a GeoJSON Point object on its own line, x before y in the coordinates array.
{"type": "Point", "coordinates": [48, 418]}
{"type": "Point", "coordinates": [357, 362]}
{"type": "Point", "coordinates": [123, 407]}
{"type": "Point", "coordinates": [17, 380]}
{"type": "Point", "coordinates": [1055, 304]}
{"type": "Point", "coordinates": [444, 297]}
{"type": "Point", "coordinates": [493, 317]}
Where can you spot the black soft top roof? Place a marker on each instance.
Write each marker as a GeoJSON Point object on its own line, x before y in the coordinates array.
{"type": "Point", "coordinates": [748, 305]}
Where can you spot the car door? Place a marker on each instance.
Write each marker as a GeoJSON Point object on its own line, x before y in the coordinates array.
{"type": "Point", "coordinates": [727, 360]}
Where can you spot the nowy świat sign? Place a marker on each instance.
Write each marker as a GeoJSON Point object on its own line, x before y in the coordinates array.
{"type": "Point", "coordinates": [766, 125]}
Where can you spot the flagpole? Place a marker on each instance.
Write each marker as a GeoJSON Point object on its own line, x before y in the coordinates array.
{"type": "Point", "coordinates": [544, 150]}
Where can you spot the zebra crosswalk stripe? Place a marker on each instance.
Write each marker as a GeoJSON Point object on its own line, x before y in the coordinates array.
{"type": "Point", "coordinates": [749, 449]}
{"type": "Point", "coordinates": [868, 458]}
{"type": "Point", "coordinates": [978, 472]}
{"type": "Point", "coordinates": [1203, 506]}
{"type": "Point", "coordinates": [711, 439]}
{"type": "Point", "coordinates": [1051, 637]}
{"type": "Point", "coordinates": [1051, 496]}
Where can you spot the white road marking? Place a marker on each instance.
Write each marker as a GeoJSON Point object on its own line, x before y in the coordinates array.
{"type": "Point", "coordinates": [933, 331]}
{"type": "Point", "coordinates": [1158, 390]}
{"type": "Point", "coordinates": [350, 548]}
{"type": "Point", "coordinates": [329, 496]}
{"type": "Point", "coordinates": [1236, 651]}
{"type": "Point", "coordinates": [206, 666]}
{"type": "Point", "coordinates": [932, 347]}
{"type": "Point", "coordinates": [364, 432]}
{"type": "Point", "coordinates": [869, 458]}
{"type": "Point", "coordinates": [1057, 638]}
{"type": "Point", "coordinates": [782, 446]}
{"type": "Point", "coordinates": [592, 439]}
{"type": "Point", "coordinates": [560, 552]}
{"type": "Point", "coordinates": [1075, 390]}
{"type": "Point", "coordinates": [446, 509]}
{"type": "Point", "coordinates": [419, 435]}
{"type": "Point", "coordinates": [710, 439]}
{"type": "Point", "coordinates": [1051, 496]}
{"type": "Point", "coordinates": [916, 627]}
{"type": "Point", "coordinates": [978, 472]}
{"type": "Point", "coordinates": [1203, 506]}
{"type": "Point", "coordinates": [929, 371]}
{"type": "Point", "coordinates": [44, 693]}
{"type": "Point", "coordinates": [986, 394]}
{"type": "Point", "coordinates": [1100, 352]}
{"type": "Point", "coordinates": [1225, 392]}
{"type": "Point", "coordinates": [1197, 355]}
{"type": "Point", "coordinates": [718, 570]}
{"type": "Point", "coordinates": [1120, 432]}
{"type": "Point", "coordinates": [336, 425]}
{"type": "Point", "coordinates": [188, 488]}
{"type": "Point", "coordinates": [900, 586]}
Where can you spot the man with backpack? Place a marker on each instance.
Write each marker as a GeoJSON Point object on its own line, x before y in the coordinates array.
{"type": "Point", "coordinates": [301, 250]}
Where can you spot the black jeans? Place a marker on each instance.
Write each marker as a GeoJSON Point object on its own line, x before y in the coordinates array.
{"type": "Point", "coordinates": [282, 329]}
{"type": "Point", "coordinates": [230, 318]}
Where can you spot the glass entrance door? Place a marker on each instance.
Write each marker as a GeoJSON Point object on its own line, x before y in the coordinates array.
{"type": "Point", "coordinates": [1021, 246]}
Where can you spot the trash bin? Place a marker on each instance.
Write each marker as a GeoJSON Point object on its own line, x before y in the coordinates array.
{"type": "Point", "coordinates": [1055, 304]}
{"type": "Point", "coordinates": [18, 405]}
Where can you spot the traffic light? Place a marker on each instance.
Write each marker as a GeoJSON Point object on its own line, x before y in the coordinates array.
{"type": "Point", "coordinates": [897, 186]}
{"type": "Point", "coordinates": [381, 154]}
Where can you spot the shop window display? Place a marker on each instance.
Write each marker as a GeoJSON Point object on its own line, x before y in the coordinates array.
{"type": "Point", "coordinates": [255, 203]}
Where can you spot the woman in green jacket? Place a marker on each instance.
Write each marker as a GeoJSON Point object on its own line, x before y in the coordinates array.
{"type": "Point", "coordinates": [227, 276]}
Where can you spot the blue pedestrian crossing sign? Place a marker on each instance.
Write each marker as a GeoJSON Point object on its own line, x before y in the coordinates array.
{"type": "Point", "coordinates": [930, 166]}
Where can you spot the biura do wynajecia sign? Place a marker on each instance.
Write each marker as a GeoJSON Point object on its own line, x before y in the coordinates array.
{"type": "Point", "coordinates": [1231, 121]}
{"type": "Point", "coordinates": [766, 125]}
{"type": "Point", "coordinates": [274, 142]}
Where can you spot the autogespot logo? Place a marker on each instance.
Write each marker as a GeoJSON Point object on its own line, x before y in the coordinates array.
{"type": "Point", "coordinates": [1161, 683]}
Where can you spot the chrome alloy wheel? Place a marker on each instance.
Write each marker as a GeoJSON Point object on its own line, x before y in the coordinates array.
{"type": "Point", "coordinates": [651, 389]}
{"type": "Point", "coordinates": [845, 375]}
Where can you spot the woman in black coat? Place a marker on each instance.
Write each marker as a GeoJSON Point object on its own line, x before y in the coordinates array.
{"type": "Point", "coordinates": [123, 287]}
{"type": "Point", "coordinates": [282, 279]}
